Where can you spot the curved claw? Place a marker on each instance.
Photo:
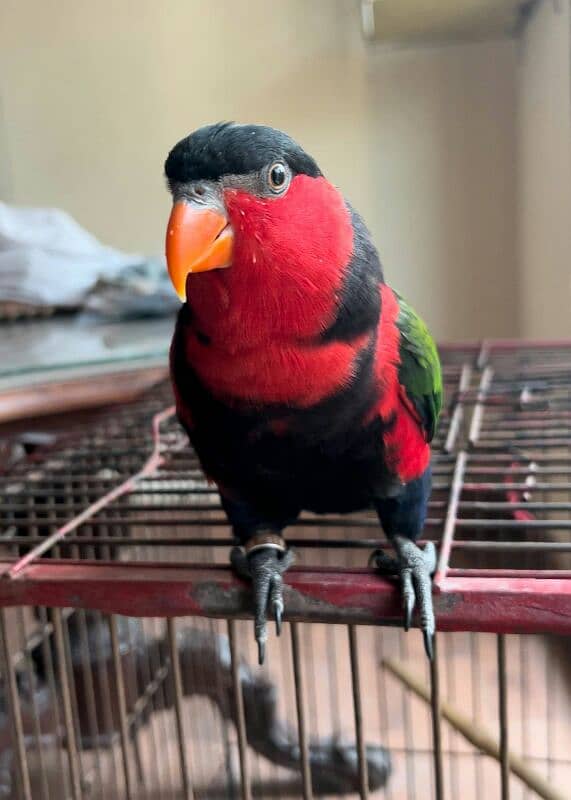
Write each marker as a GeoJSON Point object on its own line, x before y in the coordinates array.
{"type": "Point", "coordinates": [414, 567]}
{"type": "Point", "coordinates": [276, 589]}
{"type": "Point", "coordinates": [430, 557]}
{"type": "Point", "coordinates": [261, 564]}
{"type": "Point", "coordinates": [408, 597]}
{"type": "Point", "coordinates": [261, 651]}
{"type": "Point", "coordinates": [276, 601]}
{"type": "Point", "coordinates": [264, 567]}
{"type": "Point", "coordinates": [428, 644]}
{"type": "Point", "coordinates": [278, 614]}
{"type": "Point", "coordinates": [423, 584]}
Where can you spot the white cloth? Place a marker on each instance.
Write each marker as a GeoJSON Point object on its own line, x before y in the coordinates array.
{"type": "Point", "coordinates": [46, 258]}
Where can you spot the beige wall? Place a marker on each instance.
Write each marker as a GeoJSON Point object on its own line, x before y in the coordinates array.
{"type": "Point", "coordinates": [443, 137]}
{"type": "Point", "coordinates": [544, 78]}
{"type": "Point", "coordinates": [94, 93]}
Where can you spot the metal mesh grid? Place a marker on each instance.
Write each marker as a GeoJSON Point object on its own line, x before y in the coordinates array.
{"type": "Point", "coordinates": [118, 517]}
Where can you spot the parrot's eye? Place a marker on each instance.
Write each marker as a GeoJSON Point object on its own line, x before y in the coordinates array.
{"type": "Point", "coordinates": [277, 177]}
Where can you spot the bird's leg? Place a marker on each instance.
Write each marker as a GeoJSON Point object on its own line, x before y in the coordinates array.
{"type": "Point", "coordinates": [415, 568]}
{"type": "Point", "coordinates": [263, 560]}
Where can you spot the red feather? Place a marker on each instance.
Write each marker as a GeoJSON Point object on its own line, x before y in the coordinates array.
{"type": "Point", "coordinates": [289, 258]}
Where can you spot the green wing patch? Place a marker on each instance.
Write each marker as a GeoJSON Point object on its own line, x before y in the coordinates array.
{"type": "Point", "coordinates": [420, 374]}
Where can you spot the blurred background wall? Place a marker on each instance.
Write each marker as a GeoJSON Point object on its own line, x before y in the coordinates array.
{"type": "Point", "coordinates": [544, 85]}
{"type": "Point", "coordinates": [426, 141]}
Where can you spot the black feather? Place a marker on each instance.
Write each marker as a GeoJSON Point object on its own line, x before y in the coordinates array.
{"type": "Point", "coordinates": [359, 302]}
{"type": "Point", "coordinates": [230, 149]}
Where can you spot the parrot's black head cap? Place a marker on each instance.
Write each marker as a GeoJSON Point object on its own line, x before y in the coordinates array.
{"type": "Point", "coordinates": [230, 149]}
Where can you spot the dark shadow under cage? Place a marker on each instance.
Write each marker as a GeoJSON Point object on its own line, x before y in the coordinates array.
{"type": "Point", "coordinates": [126, 652]}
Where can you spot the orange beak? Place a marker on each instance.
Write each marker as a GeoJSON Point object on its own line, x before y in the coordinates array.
{"type": "Point", "coordinates": [198, 239]}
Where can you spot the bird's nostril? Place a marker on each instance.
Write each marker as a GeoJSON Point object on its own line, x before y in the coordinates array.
{"type": "Point", "coordinates": [199, 190]}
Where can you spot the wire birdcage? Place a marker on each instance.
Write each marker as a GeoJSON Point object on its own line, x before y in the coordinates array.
{"type": "Point", "coordinates": [126, 649]}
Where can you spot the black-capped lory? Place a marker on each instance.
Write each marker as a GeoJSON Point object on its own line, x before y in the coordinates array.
{"type": "Point", "coordinates": [304, 381]}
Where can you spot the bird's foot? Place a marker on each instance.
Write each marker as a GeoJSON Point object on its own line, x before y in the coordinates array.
{"type": "Point", "coordinates": [263, 561]}
{"type": "Point", "coordinates": [415, 568]}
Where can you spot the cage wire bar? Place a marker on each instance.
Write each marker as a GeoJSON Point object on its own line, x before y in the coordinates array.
{"type": "Point", "coordinates": [113, 532]}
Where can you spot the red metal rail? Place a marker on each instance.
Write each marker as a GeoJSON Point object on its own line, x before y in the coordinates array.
{"type": "Point", "coordinates": [497, 604]}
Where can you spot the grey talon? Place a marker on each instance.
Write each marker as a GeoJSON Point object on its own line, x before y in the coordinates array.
{"type": "Point", "coordinates": [415, 567]}
{"type": "Point", "coordinates": [430, 557]}
{"type": "Point", "coordinates": [408, 596]}
{"type": "Point", "coordinates": [261, 651]}
{"type": "Point", "coordinates": [428, 644]}
{"type": "Point", "coordinates": [278, 615]}
{"type": "Point", "coordinates": [264, 564]}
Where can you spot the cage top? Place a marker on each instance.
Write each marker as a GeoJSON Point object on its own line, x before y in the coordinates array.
{"type": "Point", "coordinates": [118, 514]}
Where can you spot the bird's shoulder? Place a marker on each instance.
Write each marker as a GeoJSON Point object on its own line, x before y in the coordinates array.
{"type": "Point", "coordinates": [408, 353]}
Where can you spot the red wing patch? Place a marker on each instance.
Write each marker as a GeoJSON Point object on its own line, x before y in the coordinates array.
{"type": "Point", "coordinates": [406, 449]}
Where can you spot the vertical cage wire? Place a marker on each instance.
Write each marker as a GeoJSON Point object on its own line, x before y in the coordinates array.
{"type": "Point", "coordinates": [300, 700]}
{"type": "Point", "coordinates": [177, 686]}
{"type": "Point", "coordinates": [14, 711]}
{"type": "Point", "coordinates": [436, 722]}
{"type": "Point", "coordinates": [359, 655]}
{"type": "Point", "coordinates": [88, 694]}
{"type": "Point", "coordinates": [64, 684]}
{"type": "Point", "coordinates": [358, 711]}
{"type": "Point", "coordinates": [503, 715]}
{"type": "Point", "coordinates": [121, 706]}
{"type": "Point", "coordinates": [38, 742]}
{"type": "Point", "coordinates": [245, 785]}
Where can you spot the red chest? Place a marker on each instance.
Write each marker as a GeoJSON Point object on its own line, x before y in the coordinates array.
{"type": "Point", "coordinates": [277, 372]}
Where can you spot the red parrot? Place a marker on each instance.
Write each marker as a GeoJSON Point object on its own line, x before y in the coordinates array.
{"type": "Point", "coordinates": [303, 380]}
